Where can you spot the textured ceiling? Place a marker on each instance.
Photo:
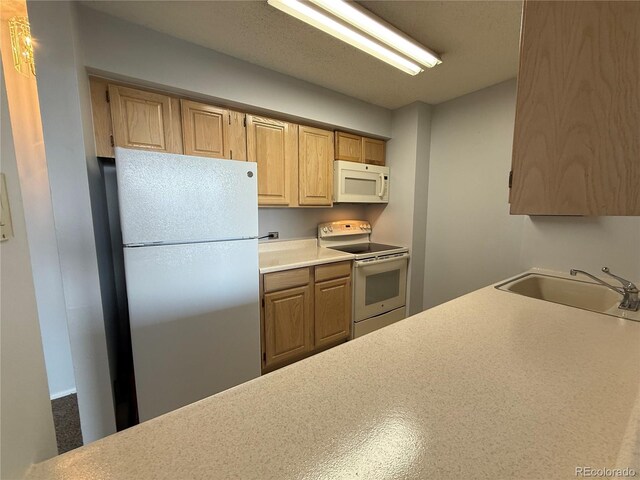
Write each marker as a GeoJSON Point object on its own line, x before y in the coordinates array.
{"type": "Point", "coordinates": [478, 42]}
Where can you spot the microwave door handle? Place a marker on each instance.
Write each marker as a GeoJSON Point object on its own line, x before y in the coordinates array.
{"type": "Point", "coordinates": [381, 192]}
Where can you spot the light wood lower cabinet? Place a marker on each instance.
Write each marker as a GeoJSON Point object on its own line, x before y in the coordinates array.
{"type": "Point", "coordinates": [332, 319]}
{"type": "Point", "coordinates": [145, 120]}
{"type": "Point", "coordinates": [301, 317]}
{"type": "Point", "coordinates": [288, 324]}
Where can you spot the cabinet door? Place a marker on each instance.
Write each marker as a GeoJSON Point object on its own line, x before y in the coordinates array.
{"type": "Point", "coordinates": [205, 130]}
{"type": "Point", "coordinates": [273, 145]}
{"type": "Point", "coordinates": [237, 136]}
{"type": "Point", "coordinates": [576, 148]}
{"type": "Point", "coordinates": [101, 113]}
{"type": "Point", "coordinates": [348, 147]}
{"type": "Point", "coordinates": [373, 151]}
{"type": "Point", "coordinates": [332, 311]}
{"type": "Point", "coordinates": [315, 163]}
{"type": "Point", "coordinates": [288, 325]}
{"type": "Point", "coordinates": [145, 120]}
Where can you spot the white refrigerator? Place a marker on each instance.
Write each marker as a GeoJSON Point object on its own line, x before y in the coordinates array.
{"type": "Point", "coordinates": [189, 230]}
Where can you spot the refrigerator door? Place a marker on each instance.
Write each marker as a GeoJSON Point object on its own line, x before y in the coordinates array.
{"type": "Point", "coordinates": [195, 321]}
{"type": "Point", "coordinates": [169, 198]}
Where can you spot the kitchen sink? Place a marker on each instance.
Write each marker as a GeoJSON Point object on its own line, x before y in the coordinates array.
{"type": "Point", "coordinates": [574, 293]}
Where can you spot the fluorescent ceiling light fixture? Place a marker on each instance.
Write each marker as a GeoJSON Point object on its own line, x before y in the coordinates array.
{"type": "Point", "coordinates": [362, 19]}
{"type": "Point", "coordinates": [315, 18]}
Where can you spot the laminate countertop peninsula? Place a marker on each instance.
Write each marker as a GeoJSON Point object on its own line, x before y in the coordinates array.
{"type": "Point", "coordinates": [288, 254]}
{"type": "Point", "coordinates": [490, 385]}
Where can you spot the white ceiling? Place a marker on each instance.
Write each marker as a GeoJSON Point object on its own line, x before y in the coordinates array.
{"type": "Point", "coordinates": [478, 42]}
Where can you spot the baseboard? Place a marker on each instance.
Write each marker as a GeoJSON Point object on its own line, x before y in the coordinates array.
{"type": "Point", "coordinates": [64, 393]}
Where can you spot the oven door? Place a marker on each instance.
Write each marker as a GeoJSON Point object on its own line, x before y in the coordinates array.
{"type": "Point", "coordinates": [380, 285]}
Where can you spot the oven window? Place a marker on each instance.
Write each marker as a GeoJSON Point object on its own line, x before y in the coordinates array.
{"type": "Point", "coordinates": [382, 286]}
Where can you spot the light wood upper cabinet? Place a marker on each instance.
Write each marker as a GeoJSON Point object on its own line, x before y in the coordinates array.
{"type": "Point", "coordinates": [237, 136]}
{"type": "Point", "coordinates": [145, 120]}
{"type": "Point", "coordinates": [348, 147]}
{"type": "Point", "coordinates": [101, 113]}
{"type": "Point", "coordinates": [315, 163]}
{"type": "Point", "coordinates": [288, 324]}
{"type": "Point", "coordinates": [211, 131]}
{"type": "Point", "coordinates": [354, 148]}
{"type": "Point", "coordinates": [205, 129]}
{"type": "Point", "coordinates": [576, 148]}
{"type": "Point", "coordinates": [273, 145]}
{"type": "Point", "coordinates": [373, 151]}
{"type": "Point", "coordinates": [332, 320]}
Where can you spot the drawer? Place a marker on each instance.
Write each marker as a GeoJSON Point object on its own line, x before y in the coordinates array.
{"type": "Point", "coordinates": [333, 270]}
{"type": "Point", "coordinates": [286, 279]}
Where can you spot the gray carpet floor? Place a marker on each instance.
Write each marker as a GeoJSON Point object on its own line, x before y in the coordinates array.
{"type": "Point", "coordinates": [67, 422]}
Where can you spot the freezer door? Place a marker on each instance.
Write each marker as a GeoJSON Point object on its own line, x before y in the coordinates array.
{"type": "Point", "coordinates": [195, 321]}
{"type": "Point", "coordinates": [171, 198]}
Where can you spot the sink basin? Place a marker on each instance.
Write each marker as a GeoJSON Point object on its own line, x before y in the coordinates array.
{"type": "Point", "coordinates": [574, 293]}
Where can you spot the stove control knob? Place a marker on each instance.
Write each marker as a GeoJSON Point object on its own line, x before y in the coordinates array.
{"type": "Point", "coordinates": [324, 230]}
{"type": "Point", "coordinates": [330, 228]}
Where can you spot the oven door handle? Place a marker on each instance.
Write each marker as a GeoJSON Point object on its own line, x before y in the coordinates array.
{"type": "Point", "coordinates": [395, 258]}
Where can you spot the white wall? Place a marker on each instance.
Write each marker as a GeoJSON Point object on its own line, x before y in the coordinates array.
{"type": "Point", "coordinates": [40, 226]}
{"type": "Point", "coordinates": [472, 241]}
{"type": "Point", "coordinates": [420, 209]}
{"type": "Point", "coordinates": [25, 411]}
{"type": "Point", "coordinates": [587, 243]}
{"type": "Point", "coordinates": [396, 223]}
{"type": "Point", "coordinates": [117, 47]}
{"type": "Point", "coordinates": [52, 24]}
{"type": "Point", "coordinates": [471, 238]}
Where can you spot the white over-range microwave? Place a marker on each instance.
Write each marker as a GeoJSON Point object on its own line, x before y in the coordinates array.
{"type": "Point", "coordinates": [360, 183]}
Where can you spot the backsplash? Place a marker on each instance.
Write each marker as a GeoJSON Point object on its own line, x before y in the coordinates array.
{"type": "Point", "coordinates": [303, 222]}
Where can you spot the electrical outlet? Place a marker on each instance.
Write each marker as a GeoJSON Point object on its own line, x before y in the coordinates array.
{"type": "Point", "coordinates": [274, 235]}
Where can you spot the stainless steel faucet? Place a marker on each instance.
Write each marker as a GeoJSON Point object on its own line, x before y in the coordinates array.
{"type": "Point", "coordinates": [628, 291]}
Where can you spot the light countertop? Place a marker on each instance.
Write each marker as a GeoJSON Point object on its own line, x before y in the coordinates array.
{"type": "Point", "coordinates": [489, 385]}
{"type": "Point", "coordinates": [284, 255]}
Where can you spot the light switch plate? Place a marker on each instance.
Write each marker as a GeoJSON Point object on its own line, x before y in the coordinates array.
{"type": "Point", "coordinates": [6, 228]}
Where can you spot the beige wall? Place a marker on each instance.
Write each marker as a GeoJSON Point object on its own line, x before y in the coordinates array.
{"type": "Point", "coordinates": [61, 83]}
{"type": "Point", "coordinates": [27, 434]}
{"type": "Point", "coordinates": [402, 221]}
{"type": "Point", "coordinates": [587, 243]}
{"type": "Point", "coordinates": [472, 241]}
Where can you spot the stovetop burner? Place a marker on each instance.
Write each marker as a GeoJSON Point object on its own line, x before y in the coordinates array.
{"type": "Point", "coordinates": [360, 248]}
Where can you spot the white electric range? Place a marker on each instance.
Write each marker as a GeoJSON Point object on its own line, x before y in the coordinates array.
{"type": "Point", "coordinates": [379, 276]}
